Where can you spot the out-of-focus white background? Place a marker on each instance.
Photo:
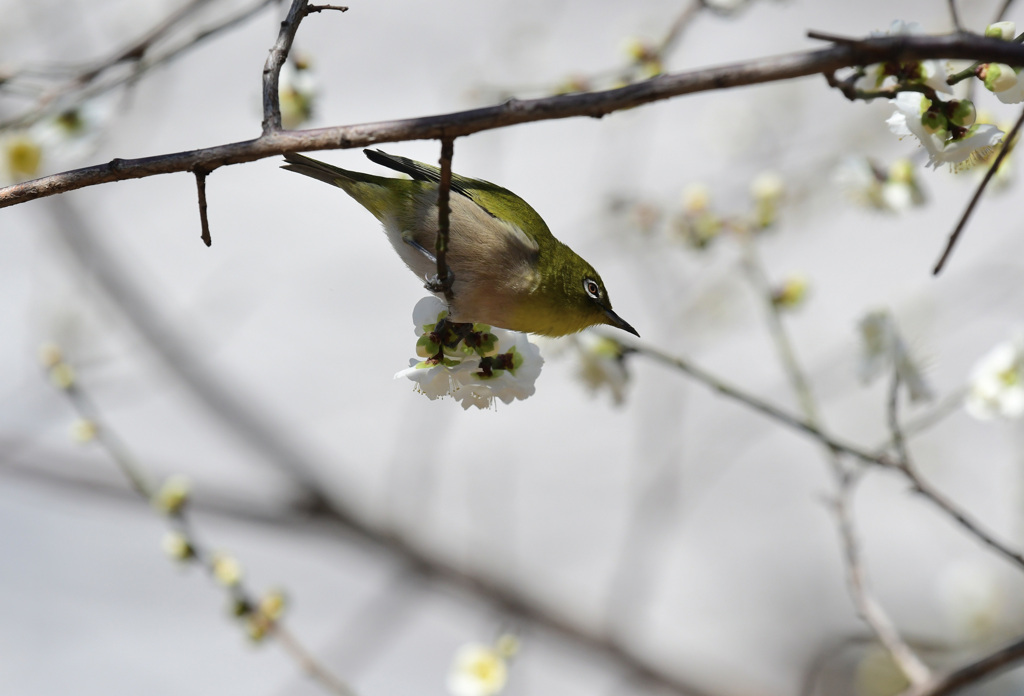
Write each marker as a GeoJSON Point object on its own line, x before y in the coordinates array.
{"type": "Point", "coordinates": [682, 525]}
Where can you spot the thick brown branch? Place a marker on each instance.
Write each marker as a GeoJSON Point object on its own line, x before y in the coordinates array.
{"type": "Point", "coordinates": [595, 104]}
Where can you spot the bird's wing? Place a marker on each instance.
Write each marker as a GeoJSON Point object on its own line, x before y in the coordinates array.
{"type": "Point", "coordinates": [498, 202]}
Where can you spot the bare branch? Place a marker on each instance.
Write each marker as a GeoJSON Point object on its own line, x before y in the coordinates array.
{"type": "Point", "coordinates": [954, 16]}
{"type": "Point", "coordinates": [78, 85]}
{"type": "Point", "coordinates": [309, 664]}
{"type": "Point", "coordinates": [868, 606]}
{"type": "Point", "coordinates": [1003, 9]}
{"type": "Point", "coordinates": [204, 221]}
{"type": "Point", "coordinates": [443, 214]}
{"type": "Point", "coordinates": [993, 168]}
{"type": "Point", "coordinates": [179, 519]}
{"type": "Point", "coordinates": [977, 671]}
{"type": "Point", "coordinates": [275, 61]}
{"type": "Point", "coordinates": [594, 104]}
{"type": "Point", "coordinates": [321, 8]}
{"type": "Point", "coordinates": [756, 403]}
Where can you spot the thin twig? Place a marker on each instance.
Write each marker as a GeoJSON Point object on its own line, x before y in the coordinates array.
{"type": "Point", "coordinates": [208, 386]}
{"type": "Point", "coordinates": [321, 8]}
{"type": "Point", "coordinates": [1003, 152]}
{"type": "Point", "coordinates": [179, 520]}
{"type": "Point", "coordinates": [275, 61]}
{"type": "Point", "coordinates": [675, 32]}
{"type": "Point", "coordinates": [76, 89]}
{"type": "Point", "coordinates": [905, 465]}
{"type": "Point", "coordinates": [1003, 9]}
{"type": "Point", "coordinates": [443, 214]}
{"type": "Point", "coordinates": [954, 16]}
{"type": "Point", "coordinates": [756, 403]}
{"type": "Point", "coordinates": [309, 664]}
{"type": "Point", "coordinates": [868, 606]}
{"type": "Point", "coordinates": [594, 104]}
{"type": "Point", "coordinates": [975, 672]}
{"type": "Point", "coordinates": [204, 220]}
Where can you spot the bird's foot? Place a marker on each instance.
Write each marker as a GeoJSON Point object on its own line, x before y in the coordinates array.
{"type": "Point", "coordinates": [434, 283]}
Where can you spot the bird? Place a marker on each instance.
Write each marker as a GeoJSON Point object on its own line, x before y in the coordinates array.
{"type": "Point", "coordinates": [507, 269]}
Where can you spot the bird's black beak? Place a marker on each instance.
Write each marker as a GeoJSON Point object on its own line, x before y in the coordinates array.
{"type": "Point", "coordinates": [618, 322]}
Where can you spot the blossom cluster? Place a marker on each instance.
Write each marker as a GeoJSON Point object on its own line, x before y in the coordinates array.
{"type": "Point", "coordinates": [926, 108]}
{"type": "Point", "coordinates": [474, 364]}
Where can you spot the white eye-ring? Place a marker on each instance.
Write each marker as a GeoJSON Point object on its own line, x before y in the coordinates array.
{"type": "Point", "coordinates": [592, 288]}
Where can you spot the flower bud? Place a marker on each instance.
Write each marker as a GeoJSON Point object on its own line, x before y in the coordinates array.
{"type": "Point", "coordinates": [226, 570]}
{"type": "Point", "coordinates": [173, 495]}
{"type": "Point", "coordinates": [1001, 30]}
{"type": "Point", "coordinates": [50, 355]}
{"type": "Point", "coordinates": [934, 121]}
{"type": "Point", "coordinates": [177, 546]}
{"type": "Point", "coordinates": [83, 430]}
{"type": "Point", "coordinates": [998, 77]}
{"type": "Point", "coordinates": [62, 376]}
{"type": "Point", "coordinates": [272, 604]}
{"type": "Point", "coordinates": [902, 171]}
{"type": "Point", "coordinates": [696, 198]}
{"type": "Point", "coordinates": [791, 293]}
{"type": "Point", "coordinates": [962, 113]}
{"type": "Point", "coordinates": [23, 155]}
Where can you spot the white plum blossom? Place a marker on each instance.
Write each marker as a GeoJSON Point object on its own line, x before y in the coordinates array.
{"type": "Point", "coordinates": [602, 366]}
{"type": "Point", "coordinates": [997, 382]}
{"type": "Point", "coordinates": [974, 599]}
{"type": "Point", "coordinates": [297, 90]}
{"type": "Point", "coordinates": [958, 146]}
{"type": "Point", "coordinates": [884, 77]}
{"type": "Point", "coordinates": [58, 141]}
{"type": "Point", "coordinates": [894, 190]}
{"type": "Point", "coordinates": [884, 351]}
{"type": "Point", "coordinates": [477, 670]}
{"type": "Point", "coordinates": [485, 365]}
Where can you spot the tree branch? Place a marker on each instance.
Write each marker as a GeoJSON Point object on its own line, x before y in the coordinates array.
{"type": "Point", "coordinates": [443, 215]}
{"type": "Point", "coordinates": [204, 220]}
{"type": "Point", "coordinates": [993, 168]}
{"type": "Point", "coordinates": [81, 84]}
{"type": "Point", "coordinates": [513, 112]}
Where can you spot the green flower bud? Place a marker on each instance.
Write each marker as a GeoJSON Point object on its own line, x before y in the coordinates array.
{"type": "Point", "coordinates": [934, 121]}
{"type": "Point", "coordinates": [84, 431]}
{"type": "Point", "coordinates": [177, 546]}
{"type": "Point", "coordinates": [791, 293]}
{"type": "Point", "coordinates": [998, 77]}
{"type": "Point", "coordinates": [902, 172]}
{"type": "Point", "coordinates": [50, 355]}
{"type": "Point", "coordinates": [173, 495]}
{"type": "Point", "coordinates": [962, 113]}
{"type": "Point", "coordinates": [62, 376]}
{"type": "Point", "coordinates": [1001, 30]}
{"type": "Point", "coordinates": [226, 570]}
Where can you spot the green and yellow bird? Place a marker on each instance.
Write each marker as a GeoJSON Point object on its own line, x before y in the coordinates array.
{"type": "Point", "coordinates": [508, 269]}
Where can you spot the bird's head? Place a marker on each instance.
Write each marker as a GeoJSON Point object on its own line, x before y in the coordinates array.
{"type": "Point", "coordinates": [570, 296]}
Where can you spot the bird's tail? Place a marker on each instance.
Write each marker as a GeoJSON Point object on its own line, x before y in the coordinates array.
{"type": "Point", "coordinates": [371, 192]}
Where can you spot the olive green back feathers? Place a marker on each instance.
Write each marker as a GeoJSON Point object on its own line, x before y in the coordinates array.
{"type": "Point", "coordinates": [509, 270]}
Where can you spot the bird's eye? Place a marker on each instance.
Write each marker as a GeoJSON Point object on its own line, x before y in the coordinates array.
{"type": "Point", "coordinates": [592, 288]}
